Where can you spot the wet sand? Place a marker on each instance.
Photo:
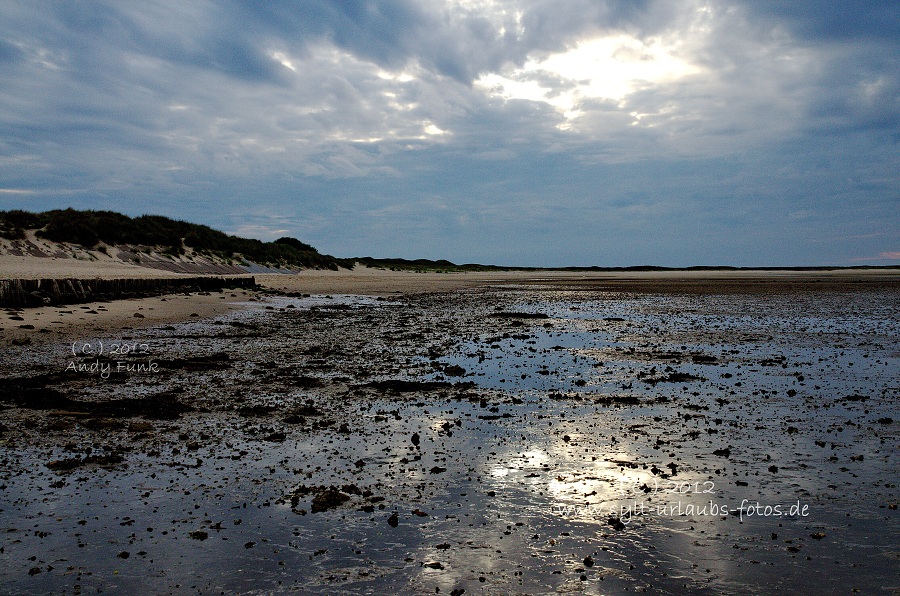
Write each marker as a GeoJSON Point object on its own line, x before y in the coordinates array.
{"type": "Point", "coordinates": [33, 326]}
{"type": "Point", "coordinates": [368, 281]}
{"type": "Point", "coordinates": [534, 437]}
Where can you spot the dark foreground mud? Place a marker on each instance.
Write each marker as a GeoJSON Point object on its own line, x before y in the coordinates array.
{"type": "Point", "coordinates": [506, 440]}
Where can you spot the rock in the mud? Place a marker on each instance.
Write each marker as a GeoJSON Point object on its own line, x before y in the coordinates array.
{"type": "Point", "coordinates": [454, 370]}
{"type": "Point", "coordinates": [328, 499]}
{"type": "Point", "coordinates": [703, 359]}
{"type": "Point", "coordinates": [393, 520]}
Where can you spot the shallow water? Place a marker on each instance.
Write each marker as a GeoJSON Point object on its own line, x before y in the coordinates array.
{"type": "Point", "coordinates": [626, 442]}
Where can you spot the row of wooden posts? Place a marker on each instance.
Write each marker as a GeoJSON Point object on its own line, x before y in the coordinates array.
{"type": "Point", "coordinates": [18, 293]}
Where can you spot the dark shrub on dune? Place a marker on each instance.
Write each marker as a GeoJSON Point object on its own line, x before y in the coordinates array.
{"type": "Point", "coordinates": [89, 228]}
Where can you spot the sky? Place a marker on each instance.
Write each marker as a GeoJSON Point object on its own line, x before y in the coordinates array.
{"type": "Point", "coordinates": [511, 132]}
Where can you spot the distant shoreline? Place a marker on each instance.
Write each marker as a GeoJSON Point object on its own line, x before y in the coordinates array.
{"type": "Point", "coordinates": [112, 315]}
{"type": "Point", "coordinates": [33, 267]}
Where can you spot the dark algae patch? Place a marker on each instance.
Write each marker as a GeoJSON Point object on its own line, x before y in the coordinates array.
{"type": "Point", "coordinates": [32, 393]}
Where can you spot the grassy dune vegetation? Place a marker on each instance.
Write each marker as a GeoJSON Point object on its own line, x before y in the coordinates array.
{"type": "Point", "coordinates": [91, 228]}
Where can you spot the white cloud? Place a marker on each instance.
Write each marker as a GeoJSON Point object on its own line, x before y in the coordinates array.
{"type": "Point", "coordinates": [257, 231]}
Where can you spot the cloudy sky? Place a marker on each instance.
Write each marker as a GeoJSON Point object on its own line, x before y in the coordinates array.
{"type": "Point", "coordinates": [519, 132]}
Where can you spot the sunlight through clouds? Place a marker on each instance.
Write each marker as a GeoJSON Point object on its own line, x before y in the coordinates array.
{"type": "Point", "coordinates": [284, 60]}
{"type": "Point", "coordinates": [609, 67]}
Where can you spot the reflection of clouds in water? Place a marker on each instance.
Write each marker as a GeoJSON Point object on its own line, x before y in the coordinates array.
{"type": "Point", "coordinates": [531, 494]}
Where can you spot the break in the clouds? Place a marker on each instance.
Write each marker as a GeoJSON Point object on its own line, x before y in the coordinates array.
{"type": "Point", "coordinates": [540, 132]}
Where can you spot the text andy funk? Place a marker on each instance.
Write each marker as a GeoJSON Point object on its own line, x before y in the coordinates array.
{"type": "Point", "coordinates": [99, 358]}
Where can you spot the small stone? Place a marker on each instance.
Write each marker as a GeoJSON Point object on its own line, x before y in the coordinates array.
{"type": "Point", "coordinates": [616, 523]}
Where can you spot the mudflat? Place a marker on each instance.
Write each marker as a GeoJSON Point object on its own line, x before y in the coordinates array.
{"type": "Point", "coordinates": [531, 433]}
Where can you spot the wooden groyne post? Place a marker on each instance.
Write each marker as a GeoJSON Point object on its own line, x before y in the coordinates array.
{"type": "Point", "coordinates": [19, 293]}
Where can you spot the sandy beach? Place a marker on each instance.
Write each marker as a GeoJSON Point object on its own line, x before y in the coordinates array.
{"type": "Point", "coordinates": [51, 323]}
{"type": "Point", "coordinates": [58, 323]}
